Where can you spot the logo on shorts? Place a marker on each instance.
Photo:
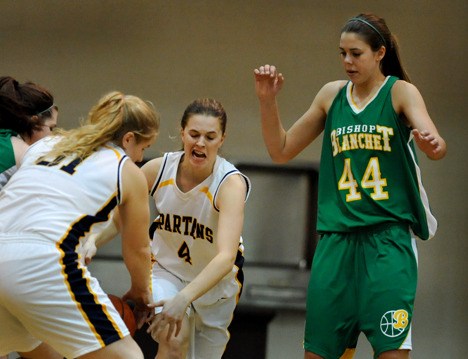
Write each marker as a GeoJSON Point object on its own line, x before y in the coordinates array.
{"type": "Point", "coordinates": [394, 322]}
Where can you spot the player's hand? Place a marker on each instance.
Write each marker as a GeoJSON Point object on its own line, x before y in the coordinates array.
{"type": "Point", "coordinates": [142, 300]}
{"type": "Point", "coordinates": [171, 316]}
{"type": "Point", "coordinates": [428, 143]}
{"type": "Point", "coordinates": [268, 82]}
{"type": "Point", "coordinates": [87, 249]}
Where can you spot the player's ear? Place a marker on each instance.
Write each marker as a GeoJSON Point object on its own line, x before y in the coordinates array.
{"type": "Point", "coordinates": [381, 53]}
{"type": "Point", "coordinates": [127, 138]}
{"type": "Point", "coordinates": [223, 137]}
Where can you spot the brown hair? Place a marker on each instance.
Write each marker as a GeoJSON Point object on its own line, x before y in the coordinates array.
{"type": "Point", "coordinates": [205, 106]}
{"type": "Point", "coordinates": [375, 32]}
{"type": "Point", "coordinates": [19, 102]}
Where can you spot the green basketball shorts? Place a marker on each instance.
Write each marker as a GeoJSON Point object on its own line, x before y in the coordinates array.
{"type": "Point", "coordinates": [364, 281]}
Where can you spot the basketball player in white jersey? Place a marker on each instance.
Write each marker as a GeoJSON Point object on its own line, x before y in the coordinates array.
{"type": "Point", "coordinates": [66, 188]}
{"type": "Point", "coordinates": [197, 244]}
{"type": "Point", "coordinates": [197, 277]}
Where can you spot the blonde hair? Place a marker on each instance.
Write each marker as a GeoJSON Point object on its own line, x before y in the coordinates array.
{"type": "Point", "coordinates": [108, 121]}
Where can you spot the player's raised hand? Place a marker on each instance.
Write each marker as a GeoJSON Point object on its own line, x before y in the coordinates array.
{"type": "Point", "coordinates": [268, 81]}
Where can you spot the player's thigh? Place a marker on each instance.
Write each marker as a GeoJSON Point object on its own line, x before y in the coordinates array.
{"type": "Point", "coordinates": [59, 302]}
{"type": "Point", "coordinates": [122, 349]}
{"type": "Point", "coordinates": [211, 323]}
{"type": "Point", "coordinates": [42, 351]}
{"type": "Point", "coordinates": [165, 285]}
{"type": "Point", "coordinates": [13, 335]}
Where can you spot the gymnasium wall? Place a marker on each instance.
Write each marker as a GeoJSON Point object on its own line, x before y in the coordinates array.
{"type": "Point", "coordinates": [171, 52]}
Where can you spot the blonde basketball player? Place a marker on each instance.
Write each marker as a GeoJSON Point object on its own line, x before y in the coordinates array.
{"type": "Point", "coordinates": [197, 244]}
{"type": "Point", "coordinates": [66, 188]}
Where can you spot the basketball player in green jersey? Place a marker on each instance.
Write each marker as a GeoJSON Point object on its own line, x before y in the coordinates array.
{"type": "Point", "coordinates": [371, 205]}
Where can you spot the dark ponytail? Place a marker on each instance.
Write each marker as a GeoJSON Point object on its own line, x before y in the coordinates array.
{"type": "Point", "coordinates": [20, 102]}
{"type": "Point", "coordinates": [375, 33]}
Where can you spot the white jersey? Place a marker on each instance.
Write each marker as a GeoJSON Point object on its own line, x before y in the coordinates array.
{"type": "Point", "coordinates": [186, 228]}
{"type": "Point", "coordinates": [61, 201]}
{"type": "Point", "coordinates": [47, 207]}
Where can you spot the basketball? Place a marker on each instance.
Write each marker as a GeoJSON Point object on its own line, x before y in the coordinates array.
{"type": "Point", "coordinates": [125, 311]}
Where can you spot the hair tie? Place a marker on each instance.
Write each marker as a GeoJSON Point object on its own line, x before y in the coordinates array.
{"type": "Point", "coordinates": [371, 26]}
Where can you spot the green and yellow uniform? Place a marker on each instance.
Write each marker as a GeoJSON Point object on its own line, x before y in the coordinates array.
{"type": "Point", "coordinates": [372, 206]}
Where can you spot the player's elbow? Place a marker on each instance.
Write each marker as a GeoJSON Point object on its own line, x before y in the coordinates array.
{"type": "Point", "coordinates": [278, 157]}
{"type": "Point", "coordinates": [227, 261]}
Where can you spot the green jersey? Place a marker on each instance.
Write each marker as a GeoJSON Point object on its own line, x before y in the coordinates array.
{"type": "Point", "coordinates": [369, 173]}
{"type": "Point", "coordinates": [7, 156]}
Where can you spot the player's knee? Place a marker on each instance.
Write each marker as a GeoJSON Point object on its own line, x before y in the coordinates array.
{"type": "Point", "coordinates": [395, 354]}
{"type": "Point", "coordinates": [175, 347]}
{"type": "Point", "coordinates": [122, 349]}
{"type": "Point", "coordinates": [310, 355]}
{"type": "Point", "coordinates": [132, 350]}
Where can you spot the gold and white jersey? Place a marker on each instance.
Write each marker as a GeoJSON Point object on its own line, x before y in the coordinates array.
{"type": "Point", "coordinates": [185, 230]}
{"type": "Point", "coordinates": [61, 199]}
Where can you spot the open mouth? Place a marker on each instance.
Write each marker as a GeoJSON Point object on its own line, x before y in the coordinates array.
{"type": "Point", "coordinates": [198, 154]}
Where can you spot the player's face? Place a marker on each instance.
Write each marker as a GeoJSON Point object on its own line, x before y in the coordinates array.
{"type": "Point", "coordinates": [359, 61]}
{"type": "Point", "coordinates": [202, 138]}
{"type": "Point", "coordinates": [46, 129]}
{"type": "Point", "coordinates": [136, 149]}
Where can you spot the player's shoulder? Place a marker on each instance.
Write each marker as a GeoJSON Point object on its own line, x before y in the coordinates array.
{"type": "Point", "coordinates": [331, 89]}
{"type": "Point", "coordinates": [19, 146]}
{"type": "Point", "coordinates": [327, 94]}
{"type": "Point", "coordinates": [235, 182]}
{"type": "Point", "coordinates": [403, 91]}
{"type": "Point", "coordinates": [335, 86]}
{"type": "Point", "coordinates": [131, 170]}
{"type": "Point", "coordinates": [404, 88]}
{"type": "Point", "coordinates": [133, 180]}
{"type": "Point", "coordinates": [151, 169]}
{"type": "Point", "coordinates": [153, 165]}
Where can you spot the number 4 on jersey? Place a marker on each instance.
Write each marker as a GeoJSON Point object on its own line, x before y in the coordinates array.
{"type": "Point", "coordinates": [184, 253]}
{"type": "Point", "coordinates": [372, 179]}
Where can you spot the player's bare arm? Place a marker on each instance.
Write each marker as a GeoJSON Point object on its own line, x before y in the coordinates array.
{"type": "Point", "coordinates": [408, 101]}
{"type": "Point", "coordinates": [230, 202]}
{"type": "Point", "coordinates": [134, 221]}
{"type": "Point", "coordinates": [284, 145]}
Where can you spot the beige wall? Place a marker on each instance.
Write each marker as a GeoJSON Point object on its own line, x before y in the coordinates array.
{"type": "Point", "coordinates": [173, 51]}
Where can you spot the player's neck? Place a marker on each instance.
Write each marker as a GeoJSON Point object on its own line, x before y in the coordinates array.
{"type": "Point", "coordinates": [364, 92]}
{"type": "Point", "coordinates": [188, 177]}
